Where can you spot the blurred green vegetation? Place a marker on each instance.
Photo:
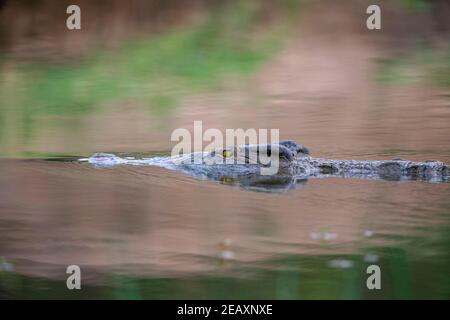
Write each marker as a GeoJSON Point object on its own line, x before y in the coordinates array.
{"type": "Point", "coordinates": [416, 4]}
{"type": "Point", "coordinates": [154, 72]}
{"type": "Point", "coordinates": [423, 66]}
{"type": "Point", "coordinates": [414, 268]}
{"type": "Point", "coordinates": [295, 277]}
{"type": "Point", "coordinates": [158, 70]}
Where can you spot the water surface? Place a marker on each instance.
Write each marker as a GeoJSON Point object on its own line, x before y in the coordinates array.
{"type": "Point", "coordinates": [147, 232]}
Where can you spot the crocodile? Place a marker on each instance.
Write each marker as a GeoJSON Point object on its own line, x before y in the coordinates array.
{"type": "Point", "coordinates": [242, 164]}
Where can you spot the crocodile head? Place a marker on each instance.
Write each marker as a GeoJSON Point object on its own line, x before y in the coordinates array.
{"type": "Point", "coordinates": [297, 149]}
{"type": "Point", "coordinates": [260, 154]}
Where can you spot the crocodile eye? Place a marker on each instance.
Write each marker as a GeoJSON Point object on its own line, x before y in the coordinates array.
{"type": "Point", "coordinates": [227, 153]}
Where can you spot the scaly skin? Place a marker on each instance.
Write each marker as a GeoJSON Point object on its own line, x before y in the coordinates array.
{"type": "Point", "coordinates": [295, 165]}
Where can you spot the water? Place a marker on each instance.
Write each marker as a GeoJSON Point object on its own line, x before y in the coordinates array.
{"type": "Point", "coordinates": [148, 232]}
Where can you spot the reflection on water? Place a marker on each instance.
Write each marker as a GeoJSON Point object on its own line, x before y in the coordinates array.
{"type": "Point", "coordinates": [147, 232]}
